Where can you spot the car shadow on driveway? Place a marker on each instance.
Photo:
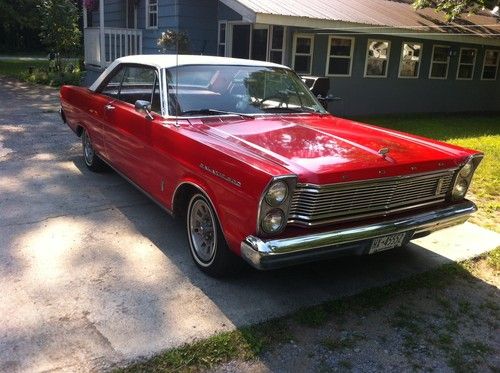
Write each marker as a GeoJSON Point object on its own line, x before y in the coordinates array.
{"type": "Point", "coordinates": [254, 296]}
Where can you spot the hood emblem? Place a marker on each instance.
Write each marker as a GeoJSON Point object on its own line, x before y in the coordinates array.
{"type": "Point", "coordinates": [383, 152]}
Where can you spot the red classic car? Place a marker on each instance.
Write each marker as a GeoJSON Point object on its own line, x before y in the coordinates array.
{"type": "Point", "coordinates": [257, 168]}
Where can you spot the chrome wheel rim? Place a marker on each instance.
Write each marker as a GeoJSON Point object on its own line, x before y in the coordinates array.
{"type": "Point", "coordinates": [88, 150]}
{"type": "Point", "coordinates": [202, 231]}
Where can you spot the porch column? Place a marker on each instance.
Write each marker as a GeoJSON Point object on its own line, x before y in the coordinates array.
{"type": "Point", "coordinates": [85, 21]}
{"type": "Point", "coordinates": [102, 47]}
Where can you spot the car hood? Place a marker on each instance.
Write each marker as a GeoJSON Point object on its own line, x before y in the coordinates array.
{"type": "Point", "coordinates": [325, 149]}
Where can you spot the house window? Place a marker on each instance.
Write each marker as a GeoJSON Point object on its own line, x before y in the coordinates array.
{"type": "Point", "coordinates": [303, 46]}
{"type": "Point", "coordinates": [440, 62]}
{"type": "Point", "coordinates": [340, 52]}
{"type": "Point", "coordinates": [222, 39]}
{"type": "Point", "coordinates": [466, 63]}
{"type": "Point", "coordinates": [490, 65]}
{"type": "Point", "coordinates": [409, 66]}
{"type": "Point", "coordinates": [152, 13]}
{"type": "Point", "coordinates": [277, 43]}
{"type": "Point", "coordinates": [377, 58]}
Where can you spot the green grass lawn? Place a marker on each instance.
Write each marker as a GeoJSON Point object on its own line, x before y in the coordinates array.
{"type": "Point", "coordinates": [479, 132]}
{"type": "Point", "coordinates": [16, 68]}
{"type": "Point", "coordinates": [19, 69]}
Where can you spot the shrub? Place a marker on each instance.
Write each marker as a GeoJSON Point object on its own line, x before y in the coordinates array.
{"type": "Point", "coordinates": [71, 75]}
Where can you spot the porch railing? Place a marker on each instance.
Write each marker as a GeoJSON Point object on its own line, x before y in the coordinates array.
{"type": "Point", "coordinates": [118, 42]}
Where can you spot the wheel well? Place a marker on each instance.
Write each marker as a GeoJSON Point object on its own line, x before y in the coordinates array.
{"type": "Point", "coordinates": [79, 130]}
{"type": "Point", "coordinates": [181, 199]}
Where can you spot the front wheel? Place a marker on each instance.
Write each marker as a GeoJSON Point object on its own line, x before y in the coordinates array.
{"type": "Point", "coordinates": [207, 244]}
{"type": "Point", "coordinates": [92, 160]}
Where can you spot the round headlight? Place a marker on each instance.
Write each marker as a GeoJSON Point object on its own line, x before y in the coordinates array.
{"type": "Point", "coordinates": [273, 221]}
{"type": "Point", "coordinates": [277, 193]}
{"type": "Point", "coordinates": [466, 170]}
{"type": "Point", "coordinates": [460, 189]}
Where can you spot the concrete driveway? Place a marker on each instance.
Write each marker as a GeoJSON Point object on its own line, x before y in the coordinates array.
{"type": "Point", "coordinates": [93, 274]}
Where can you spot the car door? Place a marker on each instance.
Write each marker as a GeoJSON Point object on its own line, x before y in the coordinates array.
{"type": "Point", "coordinates": [98, 104]}
{"type": "Point", "coordinates": [128, 132]}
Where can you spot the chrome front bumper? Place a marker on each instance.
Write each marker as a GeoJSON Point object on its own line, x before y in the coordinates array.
{"type": "Point", "coordinates": [281, 252]}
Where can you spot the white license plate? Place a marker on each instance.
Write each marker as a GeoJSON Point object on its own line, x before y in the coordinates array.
{"type": "Point", "coordinates": [387, 242]}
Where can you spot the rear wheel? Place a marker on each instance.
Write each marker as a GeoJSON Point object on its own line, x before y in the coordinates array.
{"type": "Point", "coordinates": [207, 244]}
{"type": "Point", "coordinates": [92, 160]}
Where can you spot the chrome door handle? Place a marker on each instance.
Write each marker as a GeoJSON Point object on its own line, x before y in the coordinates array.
{"type": "Point", "coordinates": [109, 107]}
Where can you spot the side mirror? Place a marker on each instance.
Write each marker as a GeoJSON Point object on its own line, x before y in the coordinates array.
{"type": "Point", "coordinates": [329, 98]}
{"type": "Point", "coordinates": [144, 107]}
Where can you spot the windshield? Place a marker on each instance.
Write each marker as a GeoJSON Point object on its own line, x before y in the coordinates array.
{"type": "Point", "coordinates": [225, 89]}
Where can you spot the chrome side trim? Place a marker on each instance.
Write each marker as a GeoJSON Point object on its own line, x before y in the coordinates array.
{"type": "Point", "coordinates": [279, 252]}
{"type": "Point", "coordinates": [168, 211]}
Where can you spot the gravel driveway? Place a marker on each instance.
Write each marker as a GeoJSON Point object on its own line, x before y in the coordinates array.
{"type": "Point", "coordinates": [93, 274]}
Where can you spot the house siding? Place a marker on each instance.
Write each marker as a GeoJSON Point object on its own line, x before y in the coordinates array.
{"type": "Point", "coordinates": [227, 14]}
{"type": "Point", "coordinates": [365, 96]}
{"type": "Point", "coordinates": [114, 14]}
{"type": "Point", "coordinates": [168, 18]}
{"type": "Point", "coordinates": [196, 17]}
{"type": "Point", "coordinates": [199, 19]}
{"type": "Point", "coordinates": [359, 95]}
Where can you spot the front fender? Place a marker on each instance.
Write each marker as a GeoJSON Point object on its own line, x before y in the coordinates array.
{"type": "Point", "coordinates": [235, 206]}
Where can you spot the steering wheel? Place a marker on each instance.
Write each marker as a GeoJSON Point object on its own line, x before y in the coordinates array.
{"type": "Point", "coordinates": [282, 96]}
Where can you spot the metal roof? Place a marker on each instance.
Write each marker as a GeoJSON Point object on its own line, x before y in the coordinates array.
{"type": "Point", "coordinates": [392, 13]}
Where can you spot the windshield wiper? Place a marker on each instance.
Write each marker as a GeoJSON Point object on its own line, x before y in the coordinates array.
{"type": "Point", "coordinates": [301, 109]}
{"type": "Point", "coordinates": [215, 112]}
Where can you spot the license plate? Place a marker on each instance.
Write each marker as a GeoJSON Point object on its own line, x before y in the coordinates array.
{"type": "Point", "coordinates": [387, 242]}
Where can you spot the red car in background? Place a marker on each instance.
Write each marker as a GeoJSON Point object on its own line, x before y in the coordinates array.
{"type": "Point", "coordinates": [255, 165]}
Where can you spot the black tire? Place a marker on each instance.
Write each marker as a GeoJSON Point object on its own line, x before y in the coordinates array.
{"type": "Point", "coordinates": [91, 159]}
{"type": "Point", "coordinates": [215, 258]}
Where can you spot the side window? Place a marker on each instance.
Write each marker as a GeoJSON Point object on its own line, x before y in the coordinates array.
{"type": "Point", "coordinates": [377, 58]}
{"type": "Point", "coordinates": [112, 88]}
{"type": "Point", "coordinates": [141, 83]}
{"type": "Point", "coordinates": [303, 53]}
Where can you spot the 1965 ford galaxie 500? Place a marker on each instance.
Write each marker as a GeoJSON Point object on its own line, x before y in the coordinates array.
{"type": "Point", "coordinates": [257, 168]}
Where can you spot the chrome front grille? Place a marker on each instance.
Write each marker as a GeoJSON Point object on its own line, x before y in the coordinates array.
{"type": "Point", "coordinates": [315, 205]}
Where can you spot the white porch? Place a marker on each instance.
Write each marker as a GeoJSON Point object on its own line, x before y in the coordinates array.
{"type": "Point", "coordinates": [103, 46]}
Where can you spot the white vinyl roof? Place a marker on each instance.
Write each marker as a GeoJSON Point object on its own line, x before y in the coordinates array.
{"type": "Point", "coordinates": [165, 61]}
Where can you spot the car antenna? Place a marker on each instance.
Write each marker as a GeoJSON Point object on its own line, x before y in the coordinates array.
{"type": "Point", "coordinates": [177, 78]}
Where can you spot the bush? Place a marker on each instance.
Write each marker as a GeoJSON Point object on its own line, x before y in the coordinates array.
{"type": "Point", "coordinates": [71, 75]}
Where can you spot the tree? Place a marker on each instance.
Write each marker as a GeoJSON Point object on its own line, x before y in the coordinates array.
{"type": "Point", "coordinates": [454, 8]}
{"type": "Point", "coordinates": [19, 25]}
{"type": "Point", "coordinates": [174, 41]}
{"type": "Point", "coordinates": [59, 27]}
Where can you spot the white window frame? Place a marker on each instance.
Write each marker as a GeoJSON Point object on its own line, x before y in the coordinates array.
{"type": "Point", "coordinates": [350, 57]}
{"type": "Point", "coordinates": [311, 55]}
{"type": "Point", "coordinates": [439, 62]}
{"type": "Point", "coordinates": [148, 13]}
{"type": "Point", "coordinates": [270, 44]}
{"type": "Point", "coordinates": [401, 60]}
{"type": "Point", "coordinates": [388, 59]}
{"type": "Point", "coordinates": [484, 64]}
{"type": "Point", "coordinates": [219, 43]}
{"type": "Point", "coordinates": [473, 64]}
